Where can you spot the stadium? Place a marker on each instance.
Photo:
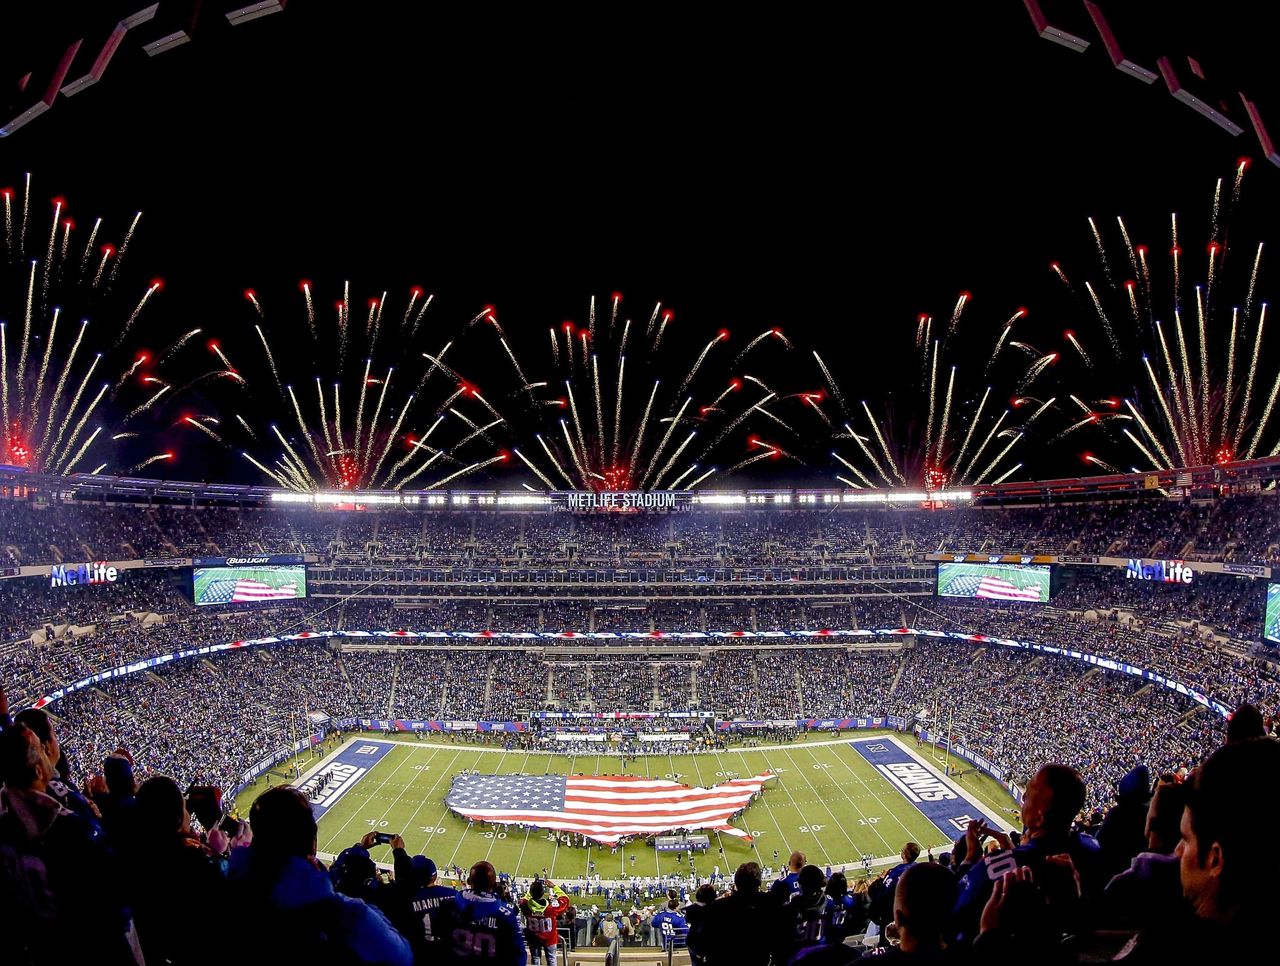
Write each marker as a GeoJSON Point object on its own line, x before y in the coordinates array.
{"type": "Point", "coordinates": [380, 585]}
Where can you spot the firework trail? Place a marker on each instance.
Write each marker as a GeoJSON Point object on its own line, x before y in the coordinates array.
{"type": "Point", "coordinates": [345, 439]}
{"type": "Point", "coordinates": [154, 287]}
{"type": "Point", "coordinates": [1102, 253]}
{"type": "Point", "coordinates": [1000, 339]}
{"type": "Point", "coordinates": [7, 194]}
{"type": "Point", "coordinates": [831, 383]}
{"type": "Point", "coordinates": [124, 247]}
{"type": "Point", "coordinates": [1128, 247]}
{"type": "Point", "coordinates": [107, 252]}
{"type": "Point", "coordinates": [721, 336]}
{"type": "Point", "coordinates": [956, 312]}
{"type": "Point", "coordinates": [1075, 343]}
{"type": "Point", "coordinates": [949, 434]}
{"type": "Point", "coordinates": [26, 207]}
{"type": "Point", "coordinates": [88, 247]}
{"type": "Point", "coordinates": [1253, 284]}
{"type": "Point", "coordinates": [1102, 317]}
{"type": "Point", "coordinates": [50, 388]}
{"type": "Point", "coordinates": [1199, 402]}
{"type": "Point", "coordinates": [767, 333]}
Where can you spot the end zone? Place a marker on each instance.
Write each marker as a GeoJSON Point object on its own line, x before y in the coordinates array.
{"type": "Point", "coordinates": [347, 765]}
{"type": "Point", "coordinates": [937, 797]}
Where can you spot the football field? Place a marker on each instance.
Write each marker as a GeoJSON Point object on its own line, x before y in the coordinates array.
{"type": "Point", "coordinates": [837, 800]}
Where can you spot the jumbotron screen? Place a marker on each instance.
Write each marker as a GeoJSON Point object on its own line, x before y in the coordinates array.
{"type": "Point", "coordinates": [248, 585]}
{"type": "Point", "coordinates": [1271, 623]}
{"type": "Point", "coordinates": [1018, 582]}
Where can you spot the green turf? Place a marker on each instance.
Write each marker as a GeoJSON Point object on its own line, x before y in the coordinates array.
{"type": "Point", "coordinates": [1021, 577]}
{"type": "Point", "coordinates": [1272, 624]}
{"type": "Point", "coordinates": [273, 576]}
{"type": "Point", "coordinates": [827, 801]}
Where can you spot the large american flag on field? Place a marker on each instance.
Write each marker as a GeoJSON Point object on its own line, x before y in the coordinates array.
{"type": "Point", "coordinates": [604, 808]}
{"type": "Point", "coordinates": [241, 591]}
{"type": "Point", "coordinates": [994, 588]}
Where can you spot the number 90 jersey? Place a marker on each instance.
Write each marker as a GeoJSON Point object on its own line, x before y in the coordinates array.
{"type": "Point", "coordinates": [487, 930]}
{"type": "Point", "coordinates": [542, 919]}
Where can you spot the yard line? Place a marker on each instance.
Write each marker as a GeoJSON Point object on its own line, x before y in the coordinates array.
{"type": "Point", "coordinates": [462, 838]}
{"type": "Point", "coordinates": [495, 833]}
{"type": "Point", "coordinates": [701, 782]}
{"type": "Point", "coordinates": [423, 800]}
{"type": "Point", "coordinates": [796, 804]}
{"type": "Point", "coordinates": [447, 771]}
{"type": "Point", "coordinates": [822, 798]}
{"type": "Point", "coordinates": [763, 800]}
{"type": "Point", "coordinates": [335, 837]}
{"type": "Point", "coordinates": [892, 814]}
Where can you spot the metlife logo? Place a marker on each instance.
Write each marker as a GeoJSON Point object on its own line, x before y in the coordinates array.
{"type": "Point", "coordinates": [1163, 571]}
{"type": "Point", "coordinates": [75, 575]}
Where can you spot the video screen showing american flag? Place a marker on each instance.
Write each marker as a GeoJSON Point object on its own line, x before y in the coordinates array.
{"type": "Point", "coordinates": [248, 585]}
{"type": "Point", "coordinates": [1014, 582]}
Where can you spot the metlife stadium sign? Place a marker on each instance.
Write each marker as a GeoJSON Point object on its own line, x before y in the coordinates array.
{"type": "Point", "coordinates": [1163, 571]}
{"type": "Point", "coordinates": [620, 500]}
{"type": "Point", "coordinates": [76, 575]}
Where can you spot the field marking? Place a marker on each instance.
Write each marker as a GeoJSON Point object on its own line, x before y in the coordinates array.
{"type": "Point", "coordinates": [425, 798]}
{"type": "Point", "coordinates": [396, 801]}
{"type": "Point", "coordinates": [333, 838]}
{"type": "Point", "coordinates": [494, 840]}
{"type": "Point", "coordinates": [965, 795]}
{"type": "Point", "coordinates": [470, 823]}
{"type": "Point", "coordinates": [719, 840]}
{"type": "Point", "coordinates": [765, 801]}
{"type": "Point", "coordinates": [445, 813]}
{"type": "Point", "coordinates": [803, 820]}
{"type": "Point", "coordinates": [823, 799]}
{"type": "Point", "coordinates": [871, 792]}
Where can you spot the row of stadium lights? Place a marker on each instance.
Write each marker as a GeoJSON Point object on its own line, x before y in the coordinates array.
{"type": "Point", "coordinates": [538, 499]}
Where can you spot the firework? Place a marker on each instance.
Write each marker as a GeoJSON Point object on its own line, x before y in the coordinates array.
{"type": "Point", "coordinates": [1191, 404]}
{"type": "Point", "coordinates": [952, 436]}
{"type": "Point", "coordinates": [363, 425]}
{"type": "Point", "coordinates": [634, 412]}
{"type": "Point", "coordinates": [70, 382]}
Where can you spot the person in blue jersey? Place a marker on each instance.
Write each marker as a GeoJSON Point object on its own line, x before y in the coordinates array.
{"type": "Point", "coordinates": [882, 890]}
{"type": "Point", "coordinates": [845, 915]}
{"type": "Point", "coordinates": [672, 928]}
{"type": "Point", "coordinates": [486, 928]}
{"type": "Point", "coordinates": [803, 918]}
{"type": "Point", "coordinates": [789, 883]}
{"type": "Point", "coordinates": [424, 909]}
{"type": "Point", "coordinates": [1050, 804]}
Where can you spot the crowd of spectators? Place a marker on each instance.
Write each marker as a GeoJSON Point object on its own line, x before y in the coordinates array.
{"type": "Point", "coordinates": [111, 868]}
{"type": "Point", "coordinates": [1235, 529]}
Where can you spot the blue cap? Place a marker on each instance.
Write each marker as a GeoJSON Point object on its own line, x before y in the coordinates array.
{"type": "Point", "coordinates": [423, 868]}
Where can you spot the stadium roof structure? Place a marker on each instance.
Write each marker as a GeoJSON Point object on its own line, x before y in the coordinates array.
{"type": "Point", "coordinates": [1242, 476]}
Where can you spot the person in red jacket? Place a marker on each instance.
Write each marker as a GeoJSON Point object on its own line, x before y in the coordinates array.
{"type": "Point", "coordinates": [541, 919]}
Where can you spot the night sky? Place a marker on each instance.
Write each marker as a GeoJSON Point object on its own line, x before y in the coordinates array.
{"type": "Point", "coordinates": [834, 174]}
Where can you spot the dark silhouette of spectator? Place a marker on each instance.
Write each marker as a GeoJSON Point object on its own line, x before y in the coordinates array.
{"type": "Point", "coordinates": [283, 890]}
{"type": "Point", "coordinates": [170, 872]}
{"type": "Point", "coordinates": [736, 928]}
{"type": "Point", "coordinates": [59, 896]}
